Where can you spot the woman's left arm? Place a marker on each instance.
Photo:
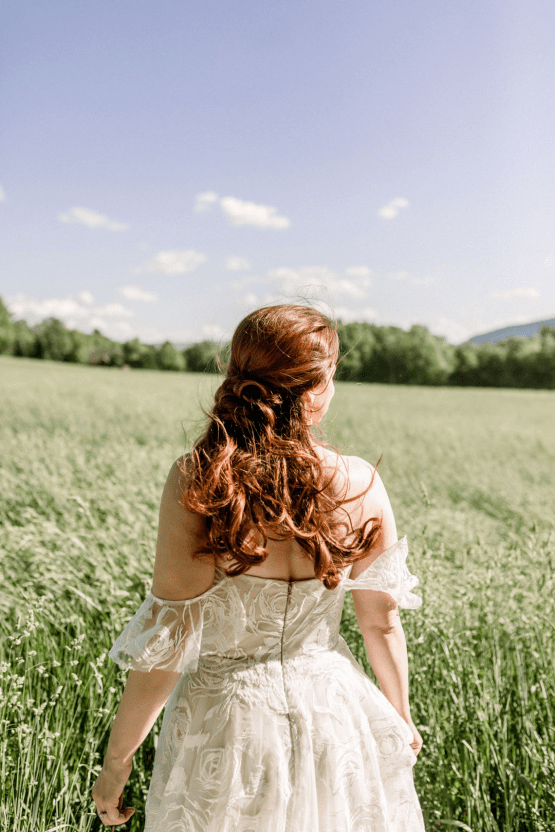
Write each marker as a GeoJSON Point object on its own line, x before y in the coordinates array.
{"type": "Point", "coordinates": [177, 576]}
{"type": "Point", "coordinates": [144, 697]}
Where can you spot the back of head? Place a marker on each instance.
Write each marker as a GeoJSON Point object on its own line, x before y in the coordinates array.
{"type": "Point", "coordinates": [278, 354]}
{"type": "Point", "coordinates": [289, 347]}
{"type": "Point", "coordinates": [256, 471]}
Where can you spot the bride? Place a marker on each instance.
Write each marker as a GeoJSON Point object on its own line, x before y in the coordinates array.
{"type": "Point", "coordinates": [270, 723]}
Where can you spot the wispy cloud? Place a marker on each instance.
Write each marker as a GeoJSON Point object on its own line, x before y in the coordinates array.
{"type": "Point", "coordinates": [237, 264]}
{"type": "Point", "coordinates": [354, 283]}
{"type": "Point", "coordinates": [77, 312]}
{"type": "Point", "coordinates": [517, 293]}
{"type": "Point", "coordinates": [413, 280]}
{"type": "Point", "coordinates": [86, 297]}
{"type": "Point", "coordinates": [249, 299]}
{"type": "Point", "coordinates": [213, 332]}
{"type": "Point", "coordinates": [175, 261]}
{"type": "Point", "coordinates": [390, 210]}
{"type": "Point", "coordinates": [91, 219]}
{"type": "Point", "coordinates": [2, 194]}
{"type": "Point", "coordinates": [136, 293]}
{"type": "Point", "coordinates": [348, 315]}
{"type": "Point", "coordinates": [241, 212]}
{"type": "Point", "coordinates": [450, 329]}
{"type": "Point", "coordinates": [358, 271]}
{"type": "Point", "coordinates": [205, 201]}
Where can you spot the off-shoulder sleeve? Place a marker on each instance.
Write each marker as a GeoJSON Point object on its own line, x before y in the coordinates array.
{"type": "Point", "coordinates": [389, 573]}
{"type": "Point", "coordinates": [165, 635]}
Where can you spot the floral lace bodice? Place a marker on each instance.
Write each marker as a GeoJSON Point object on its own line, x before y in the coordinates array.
{"type": "Point", "coordinates": [250, 616]}
{"type": "Point", "coordinates": [272, 725]}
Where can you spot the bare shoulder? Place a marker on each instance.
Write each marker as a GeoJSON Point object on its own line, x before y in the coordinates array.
{"type": "Point", "coordinates": [349, 476]}
{"type": "Point", "coordinates": [360, 489]}
{"type": "Point", "coordinates": [177, 574]}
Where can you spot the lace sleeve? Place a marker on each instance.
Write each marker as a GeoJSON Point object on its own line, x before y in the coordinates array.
{"type": "Point", "coordinates": [165, 635]}
{"type": "Point", "coordinates": [389, 573]}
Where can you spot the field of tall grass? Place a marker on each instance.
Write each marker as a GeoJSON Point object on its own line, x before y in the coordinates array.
{"type": "Point", "coordinates": [471, 475]}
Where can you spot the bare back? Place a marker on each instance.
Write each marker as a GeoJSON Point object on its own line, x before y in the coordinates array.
{"type": "Point", "coordinates": [347, 477]}
{"type": "Point", "coordinates": [177, 575]}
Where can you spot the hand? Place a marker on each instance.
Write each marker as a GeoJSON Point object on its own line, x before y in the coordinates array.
{"type": "Point", "coordinates": [416, 743]}
{"type": "Point", "coordinates": [107, 793]}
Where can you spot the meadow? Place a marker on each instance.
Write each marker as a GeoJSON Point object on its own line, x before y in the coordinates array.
{"type": "Point", "coordinates": [471, 476]}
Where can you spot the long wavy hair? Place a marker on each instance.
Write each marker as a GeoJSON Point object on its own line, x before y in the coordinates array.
{"type": "Point", "coordinates": [255, 474]}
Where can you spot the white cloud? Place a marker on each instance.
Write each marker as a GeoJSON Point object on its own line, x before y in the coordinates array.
{"type": "Point", "coordinates": [113, 310]}
{"type": "Point", "coordinates": [518, 293]}
{"type": "Point", "coordinates": [2, 194]}
{"type": "Point", "coordinates": [177, 261]}
{"type": "Point", "coordinates": [85, 297]}
{"type": "Point", "coordinates": [250, 300]}
{"type": "Point", "coordinates": [136, 293]}
{"type": "Point", "coordinates": [403, 275]}
{"type": "Point", "coordinates": [75, 312]}
{"type": "Point", "coordinates": [35, 309]}
{"type": "Point", "coordinates": [91, 219]}
{"type": "Point", "coordinates": [213, 332]}
{"type": "Point", "coordinates": [348, 315]}
{"type": "Point", "coordinates": [238, 212]}
{"type": "Point", "coordinates": [118, 330]}
{"type": "Point", "coordinates": [390, 210]}
{"type": "Point", "coordinates": [358, 271]}
{"type": "Point", "coordinates": [452, 330]}
{"type": "Point", "coordinates": [237, 264]}
{"type": "Point", "coordinates": [205, 201]}
{"type": "Point", "coordinates": [314, 279]}
{"type": "Point", "coordinates": [427, 280]}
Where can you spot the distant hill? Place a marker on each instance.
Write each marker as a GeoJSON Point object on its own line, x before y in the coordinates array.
{"type": "Point", "coordinates": [518, 331]}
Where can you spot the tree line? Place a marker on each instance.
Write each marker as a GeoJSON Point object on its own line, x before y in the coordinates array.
{"type": "Point", "coordinates": [369, 353]}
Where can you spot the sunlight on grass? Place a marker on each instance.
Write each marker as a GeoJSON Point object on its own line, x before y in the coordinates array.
{"type": "Point", "coordinates": [471, 474]}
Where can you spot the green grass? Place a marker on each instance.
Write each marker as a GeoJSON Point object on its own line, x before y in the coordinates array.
{"type": "Point", "coordinates": [471, 475]}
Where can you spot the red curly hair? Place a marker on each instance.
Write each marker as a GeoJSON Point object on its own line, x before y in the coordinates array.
{"type": "Point", "coordinates": [255, 472]}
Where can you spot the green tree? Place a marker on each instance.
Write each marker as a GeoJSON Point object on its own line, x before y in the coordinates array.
{"type": "Point", "coordinates": [546, 358]}
{"type": "Point", "coordinates": [202, 357]}
{"type": "Point", "coordinates": [429, 359]}
{"type": "Point", "coordinates": [80, 347]}
{"type": "Point", "coordinates": [7, 334]}
{"type": "Point", "coordinates": [465, 366]}
{"type": "Point", "coordinates": [53, 341]}
{"type": "Point", "coordinates": [539, 366]}
{"type": "Point", "coordinates": [357, 344]}
{"type": "Point", "coordinates": [170, 358]}
{"type": "Point", "coordinates": [490, 369]}
{"type": "Point", "coordinates": [25, 342]}
{"type": "Point", "coordinates": [133, 353]}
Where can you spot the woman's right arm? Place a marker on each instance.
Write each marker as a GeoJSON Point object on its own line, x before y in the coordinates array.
{"type": "Point", "coordinates": [377, 612]}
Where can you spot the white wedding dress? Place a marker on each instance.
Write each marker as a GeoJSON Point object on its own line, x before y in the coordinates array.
{"type": "Point", "coordinates": [273, 726]}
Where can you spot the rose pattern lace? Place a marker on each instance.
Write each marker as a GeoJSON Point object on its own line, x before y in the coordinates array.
{"type": "Point", "coordinates": [273, 726]}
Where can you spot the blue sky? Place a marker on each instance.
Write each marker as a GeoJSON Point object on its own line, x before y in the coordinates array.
{"type": "Point", "coordinates": [166, 167]}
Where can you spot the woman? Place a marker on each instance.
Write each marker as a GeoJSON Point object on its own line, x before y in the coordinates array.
{"type": "Point", "coordinates": [271, 725]}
